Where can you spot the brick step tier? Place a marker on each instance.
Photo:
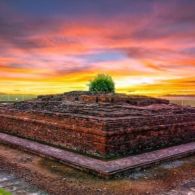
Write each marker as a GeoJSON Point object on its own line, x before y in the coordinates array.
{"type": "Point", "coordinates": [99, 143]}
{"type": "Point", "coordinates": [110, 126]}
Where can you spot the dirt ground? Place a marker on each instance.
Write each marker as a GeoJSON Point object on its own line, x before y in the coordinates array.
{"type": "Point", "coordinates": [58, 179]}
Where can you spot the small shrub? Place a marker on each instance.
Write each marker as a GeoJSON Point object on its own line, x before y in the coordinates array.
{"type": "Point", "coordinates": [102, 83]}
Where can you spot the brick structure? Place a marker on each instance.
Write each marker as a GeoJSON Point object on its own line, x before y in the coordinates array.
{"type": "Point", "coordinates": [101, 125]}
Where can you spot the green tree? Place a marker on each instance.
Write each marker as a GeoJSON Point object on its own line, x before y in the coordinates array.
{"type": "Point", "coordinates": [102, 83]}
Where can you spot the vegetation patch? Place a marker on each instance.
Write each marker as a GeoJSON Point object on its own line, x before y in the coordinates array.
{"type": "Point", "coordinates": [102, 83]}
{"type": "Point", "coordinates": [3, 192]}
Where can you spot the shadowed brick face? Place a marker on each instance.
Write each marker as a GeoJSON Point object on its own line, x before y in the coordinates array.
{"type": "Point", "coordinates": [104, 126]}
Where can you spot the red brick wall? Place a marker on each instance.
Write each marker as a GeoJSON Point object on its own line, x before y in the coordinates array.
{"type": "Point", "coordinates": [103, 138]}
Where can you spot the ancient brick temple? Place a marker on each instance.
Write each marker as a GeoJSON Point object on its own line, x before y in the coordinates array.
{"type": "Point", "coordinates": [100, 125]}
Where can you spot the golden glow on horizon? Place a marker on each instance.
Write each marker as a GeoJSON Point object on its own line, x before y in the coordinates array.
{"type": "Point", "coordinates": [152, 55]}
{"type": "Point", "coordinates": [136, 85]}
{"type": "Point", "coordinates": [141, 77]}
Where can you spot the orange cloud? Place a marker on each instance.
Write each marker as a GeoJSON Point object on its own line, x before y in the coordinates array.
{"type": "Point", "coordinates": [149, 50]}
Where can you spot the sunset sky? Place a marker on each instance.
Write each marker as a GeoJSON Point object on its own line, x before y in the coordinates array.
{"type": "Point", "coordinates": [53, 46]}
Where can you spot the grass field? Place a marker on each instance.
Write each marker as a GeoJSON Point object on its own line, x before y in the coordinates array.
{"type": "Point", "coordinates": [13, 98]}
{"type": "Point", "coordinates": [184, 101]}
{"type": "Point", "coordinates": [3, 192]}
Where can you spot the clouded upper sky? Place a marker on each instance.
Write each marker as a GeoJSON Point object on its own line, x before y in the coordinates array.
{"type": "Point", "coordinates": [52, 46]}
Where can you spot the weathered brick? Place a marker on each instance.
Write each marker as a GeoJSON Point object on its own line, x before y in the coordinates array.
{"type": "Point", "coordinates": [103, 125]}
